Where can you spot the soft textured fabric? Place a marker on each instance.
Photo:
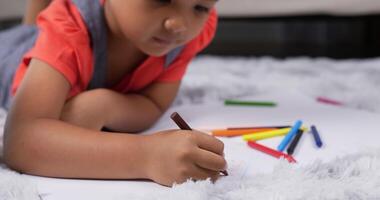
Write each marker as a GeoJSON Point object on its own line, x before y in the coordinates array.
{"type": "Point", "coordinates": [353, 176]}
{"type": "Point", "coordinates": [355, 82]}
{"type": "Point", "coordinates": [14, 186]}
{"type": "Point", "coordinates": [64, 44]}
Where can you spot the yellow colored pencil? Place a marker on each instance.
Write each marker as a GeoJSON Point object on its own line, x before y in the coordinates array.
{"type": "Point", "coordinates": [268, 134]}
{"type": "Point", "coordinates": [240, 132]}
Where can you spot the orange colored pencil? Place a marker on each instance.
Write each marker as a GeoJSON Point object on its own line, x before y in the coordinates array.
{"type": "Point", "coordinates": [257, 127]}
{"type": "Point", "coordinates": [240, 132]}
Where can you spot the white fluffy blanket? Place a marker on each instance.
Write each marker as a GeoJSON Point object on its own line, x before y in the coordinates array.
{"type": "Point", "coordinates": [350, 177]}
{"type": "Point", "coordinates": [14, 186]}
{"type": "Point", "coordinates": [354, 82]}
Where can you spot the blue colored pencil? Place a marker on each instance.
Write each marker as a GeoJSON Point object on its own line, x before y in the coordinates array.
{"type": "Point", "coordinates": [289, 136]}
{"type": "Point", "coordinates": [317, 138]}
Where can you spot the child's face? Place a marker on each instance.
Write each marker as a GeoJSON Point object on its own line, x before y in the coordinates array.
{"type": "Point", "coordinates": [158, 26]}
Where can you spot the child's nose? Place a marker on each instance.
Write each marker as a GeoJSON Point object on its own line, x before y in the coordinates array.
{"type": "Point", "coordinates": [175, 25]}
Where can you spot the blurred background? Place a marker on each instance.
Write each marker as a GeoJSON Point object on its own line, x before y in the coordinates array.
{"type": "Point", "coordinates": [281, 28]}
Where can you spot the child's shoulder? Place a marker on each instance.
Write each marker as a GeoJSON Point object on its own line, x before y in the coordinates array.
{"type": "Point", "coordinates": [63, 42]}
{"type": "Point", "coordinates": [62, 18]}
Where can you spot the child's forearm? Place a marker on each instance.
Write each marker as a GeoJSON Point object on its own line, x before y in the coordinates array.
{"type": "Point", "coordinates": [56, 149]}
{"type": "Point", "coordinates": [33, 8]}
{"type": "Point", "coordinates": [131, 113]}
{"type": "Point", "coordinates": [99, 108]}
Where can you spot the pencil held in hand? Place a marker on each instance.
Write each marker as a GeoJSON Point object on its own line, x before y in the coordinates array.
{"type": "Point", "coordinates": [184, 126]}
{"type": "Point", "coordinates": [180, 122]}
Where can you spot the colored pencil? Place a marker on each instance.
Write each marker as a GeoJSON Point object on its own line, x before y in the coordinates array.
{"type": "Point", "coordinates": [329, 101]}
{"type": "Point", "coordinates": [317, 137]}
{"type": "Point", "coordinates": [270, 151]}
{"type": "Point", "coordinates": [258, 127]}
{"type": "Point", "coordinates": [294, 143]}
{"type": "Point", "coordinates": [289, 136]}
{"type": "Point", "coordinates": [231, 102]}
{"type": "Point", "coordinates": [266, 134]}
{"type": "Point", "coordinates": [238, 132]}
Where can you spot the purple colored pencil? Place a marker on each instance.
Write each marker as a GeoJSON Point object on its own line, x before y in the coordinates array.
{"type": "Point", "coordinates": [317, 137]}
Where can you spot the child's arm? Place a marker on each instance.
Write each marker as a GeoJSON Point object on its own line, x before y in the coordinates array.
{"type": "Point", "coordinates": [33, 8]}
{"type": "Point", "coordinates": [140, 111]}
{"type": "Point", "coordinates": [38, 142]}
{"type": "Point", "coordinates": [118, 112]}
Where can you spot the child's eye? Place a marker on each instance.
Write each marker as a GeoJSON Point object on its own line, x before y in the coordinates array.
{"type": "Point", "coordinates": [202, 9]}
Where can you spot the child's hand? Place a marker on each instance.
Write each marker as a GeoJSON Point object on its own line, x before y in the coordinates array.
{"type": "Point", "coordinates": [176, 156]}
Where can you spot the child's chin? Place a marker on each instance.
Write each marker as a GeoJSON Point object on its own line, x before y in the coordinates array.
{"type": "Point", "coordinates": [157, 53]}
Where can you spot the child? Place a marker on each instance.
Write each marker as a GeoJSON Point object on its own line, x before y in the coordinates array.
{"type": "Point", "coordinates": [110, 65]}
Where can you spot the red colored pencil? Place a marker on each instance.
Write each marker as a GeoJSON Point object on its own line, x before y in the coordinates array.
{"type": "Point", "coordinates": [270, 151]}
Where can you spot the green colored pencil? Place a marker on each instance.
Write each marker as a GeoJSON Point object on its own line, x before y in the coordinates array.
{"type": "Point", "coordinates": [231, 102]}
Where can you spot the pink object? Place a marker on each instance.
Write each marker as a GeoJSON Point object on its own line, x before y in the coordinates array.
{"type": "Point", "coordinates": [329, 101]}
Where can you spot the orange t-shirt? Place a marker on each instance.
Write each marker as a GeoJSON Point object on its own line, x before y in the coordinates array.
{"type": "Point", "coordinates": [64, 44]}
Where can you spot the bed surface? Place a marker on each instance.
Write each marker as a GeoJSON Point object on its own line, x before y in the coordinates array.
{"type": "Point", "coordinates": [293, 83]}
{"type": "Point", "coordinates": [245, 164]}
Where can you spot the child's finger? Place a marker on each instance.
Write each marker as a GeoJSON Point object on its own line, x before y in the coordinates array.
{"type": "Point", "coordinates": [209, 160]}
{"type": "Point", "coordinates": [209, 143]}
